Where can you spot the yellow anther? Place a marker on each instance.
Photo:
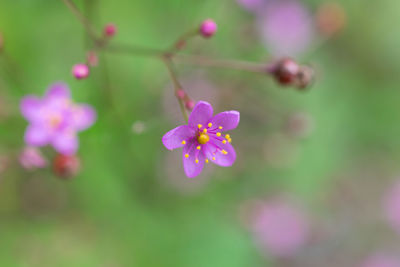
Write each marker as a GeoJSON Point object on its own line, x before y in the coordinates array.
{"type": "Point", "coordinates": [203, 139]}
{"type": "Point", "coordinates": [229, 140]}
{"type": "Point", "coordinates": [199, 126]}
{"type": "Point", "coordinates": [224, 141]}
{"type": "Point", "coordinates": [213, 158]}
{"type": "Point", "coordinates": [227, 136]}
{"type": "Point", "coordinates": [218, 134]}
{"type": "Point", "coordinates": [206, 160]}
{"type": "Point", "coordinates": [197, 161]}
{"type": "Point", "coordinates": [186, 155]}
{"type": "Point", "coordinates": [198, 147]}
{"type": "Point", "coordinates": [183, 142]}
{"type": "Point", "coordinates": [204, 130]}
{"type": "Point", "coordinates": [220, 127]}
{"type": "Point", "coordinates": [224, 152]}
{"type": "Point", "coordinates": [209, 124]}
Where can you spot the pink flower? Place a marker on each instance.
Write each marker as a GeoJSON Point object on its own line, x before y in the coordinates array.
{"type": "Point", "coordinates": [279, 228]}
{"type": "Point", "coordinates": [252, 5]}
{"type": "Point", "coordinates": [285, 27]}
{"type": "Point", "coordinates": [31, 158]}
{"type": "Point", "coordinates": [202, 138]}
{"type": "Point", "coordinates": [381, 260]}
{"type": "Point", "coordinates": [392, 206]}
{"type": "Point", "coordinates": [55, 120]}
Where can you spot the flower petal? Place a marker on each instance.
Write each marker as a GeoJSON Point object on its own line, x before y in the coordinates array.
{"type": "Point", "coordinates": [58, 90]}
{"type": "Point", "coordinates": [216, 156]}
{"type": "Point", "coordinates": [65, 143]}
{"type": "Point", "coordinates": [201, 114]}
{"type": "Point", "coordinates": [173, 139]}
{"type": "Point", "coordinates": [36, 135]}
{"type": "Point", "coordinates": [30, 108]}
{"type": "Point", "coordinates": [228, 120]}
{"type": "Point", "coordinates": [192, 169]}
{"type": "Point", "coordinates": [84, 116]}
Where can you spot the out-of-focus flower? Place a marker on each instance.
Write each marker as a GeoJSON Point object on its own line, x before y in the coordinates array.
{"type": "Point", "coordinates": [31, 158]}
{"type": "Point", "coordinates": [66, 166]}
{"type": "Point", "coordinates": [252, 5]}
{"type": "Point", "coordinates": [80, 71]}
{"type": "Point", "coordinates": [92, 59]}
{"type": "Point", "coordinates": [299, 125]}
{"type": "Point", "coordinates": [202, 139]}
{"type": "Point", "coordinates": [330, 18]}
{"type": "Point", "coordinates": [55, 120]}
{"type": "Point", "coordinates": [138, 127]}
{"type": "Point", "coordinates": [381, 260]}
{"type": "Point", "coordinates": [286, 27]}
{"type": "Point", "coordinates": [392, 206]}
{"type": "Point", "coordinates": [110, 30]}
{"type": "Point", "coordinates": [280, 228]}
{"type": "Point", "coordinates": [208, 28]}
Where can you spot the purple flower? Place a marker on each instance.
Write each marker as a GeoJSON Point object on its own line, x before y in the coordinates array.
{"type": "Point", "coordinates": [202, 138]}
{"type": "Point", "coordinates": [252, 5]}
{"type": "Point", "coordinates": [55, 120]}
{"type": "Point", "coordinates": [31, 158]}
{"type": "Point", "coordinates": [285, 27]}
{"type": "Point", "coordinates": [392, 206]}
{"type": "Point", "coordinates": [381, 260]}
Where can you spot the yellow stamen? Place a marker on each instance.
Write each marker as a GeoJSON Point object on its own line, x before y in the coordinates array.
{"type": "Point", "coordinates": [199, 126]}
{"type": "Point", "coordinates": [227, 136]}
{"type": "Point", "coordinates": [224, 141]}
{"type": "Point", "coordinates": [224, 152]}
{"type": "Point", "coordinates": [218, 134]}
{"type": "Point", "coordinates": [204, 130]}
{"type": "Point", "coordinates": [209, 125]}
{"type": "Point", "coordinates": [186, 155]}
{"type": "Point", "coordinates": [213, 158]}
{"type": "Point", "coordinates": [220, 127]}
{"type": "Point", "coordinates": [183, 142]}
{"type": "Point", "coordinates": [230, 140]}
{"type": "Point", "coordinates": [206, 160]}
{"type": "Point", "coordinates": [203, 139]}
{"type": "Point", "coordinates": [197, 161]}
{"type": "Point", "coordinates": [198, 147]}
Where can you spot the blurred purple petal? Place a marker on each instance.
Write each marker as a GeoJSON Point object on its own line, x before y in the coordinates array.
{"type": "Point", "coordinates": [229, 120]}
{"type": "Point", "coordinates": [30, 108]}
{"type": "Point", "coordinates": [201, 114]}
{"type": "Point", "coordinates": [84, 116]}
{"type": "Point", "coordinates": [31, 158]}
{"type": "Point", "coordinates": [392, 206]}
{"type": "Point", "coordinates": [173, 139]}
{"type": "Point", "coordinates": [36, 136]}
{"type": "Point", "coordinates": [381, 260]}
{"type": "Point", "coordinates": [252, 5]}
{"type": "Point", "coordinates": [65, 143]}
{"type": "Point", "coordinates": [58, 90]}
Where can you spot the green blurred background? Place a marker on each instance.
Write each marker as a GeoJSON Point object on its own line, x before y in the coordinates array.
{"type": "Point", "coordinates": [131, 205]}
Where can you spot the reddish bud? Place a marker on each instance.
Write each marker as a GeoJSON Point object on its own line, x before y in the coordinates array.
{"type": "Point", "coordinates": [286, 71]}
{"type": "Point", "coordinates": [208, 28]}
{"type": "Point", "coordinates": [110, 30]}
{"type": "Point", "coordinates": [80, 71]}
{"type": "Point", "coordinates": [305, 77]}
{"type": "Point", "coordinates": [66, 166]}
{"type": "Point", "coordinates": [189, 104]}
{"type": "Point", "coordinates": [92, 59]}
{"type": "Point", "coordinates": [180, 94]}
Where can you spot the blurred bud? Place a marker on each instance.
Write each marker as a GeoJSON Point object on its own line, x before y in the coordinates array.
{"type": "Point", "coordinates": [299, 125]}
{"type": "Point", "coordinates": [180, 94]}
{"type": "Point", "coordinates": [208, 28]}
{"type": "Point", "coordinates": [31, 158]}
{"type": "Point", "coordinates": [286, 71]}
{"type": "Point", "coordinates": [110, 30]}
{"type": "Point", "coordinates": [92, 59]}
{"type": "Point", "coordinates": [66, 166]}
{"type": "Point", "coordinates": [381, 260]}
{"type": "Point", "coordinates": [80, 71]}
{"type": "Point", "coordinates": [138, 127]}
{"type": "Point", "coordinates": [330, 18]}
{"type": "Point", "coordinates": [189, 104]}
{"type": "Point", "coordinates": [305, 77]}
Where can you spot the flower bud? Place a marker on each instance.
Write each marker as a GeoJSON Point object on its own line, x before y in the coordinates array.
{"type": "Point", "coordinates": [305, 77]}
{"type": "Point", "coordinates": [286, 71]}
{"type": "Point", "coordinates": [80, 71]}
{"type": "Point", "coordinates": [208, 28]}
{"type": "Point", "coordinates": [66, 166]}
{"type": "Point", "coordinates": [189, 104]}
{"type": "Point", "coordinates": [92, 59]}
{"type": "Point", "coordinates": [31, 158]}
{"type": "Point", "coordinates": [110, 30]}
{"type": "Point", "coordinates": [180, 94]}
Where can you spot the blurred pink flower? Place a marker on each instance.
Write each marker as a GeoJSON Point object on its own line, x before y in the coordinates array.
{"type": "Point", "coordinates": [55, 119]}
{"type": "Point", "coordinates": [392, 206]}
{"type": "Point", "coordinates": [252, 5]}
{"type": "Point", "coordinates": [381, 260]}
{"type": "Point", "coordinates": [32, 158]}
{"type": "Point", "coordinates": [285, 27]}
{"type": "Point", "coordinates": [279, 227]}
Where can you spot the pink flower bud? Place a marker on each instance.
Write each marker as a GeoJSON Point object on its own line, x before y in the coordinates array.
{"type": "Point", "coordinates": [92, 59]}
{"type": "Point", "coordinates": [110, 30]}
{"type": "Point", "coordinates": [189, 104]}
{"type": "Point", "coordinates": [80, 71]}
{"type": "Point", "coordinates": [208, 28]}
{"type": "Point", "coordinates": [180, 94]}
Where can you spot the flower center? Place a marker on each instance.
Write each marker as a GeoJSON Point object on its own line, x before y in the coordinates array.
{"type": "Point", "coordinates": [203, 138]}
{"type": "Point", "coordinates": [55, 121]}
